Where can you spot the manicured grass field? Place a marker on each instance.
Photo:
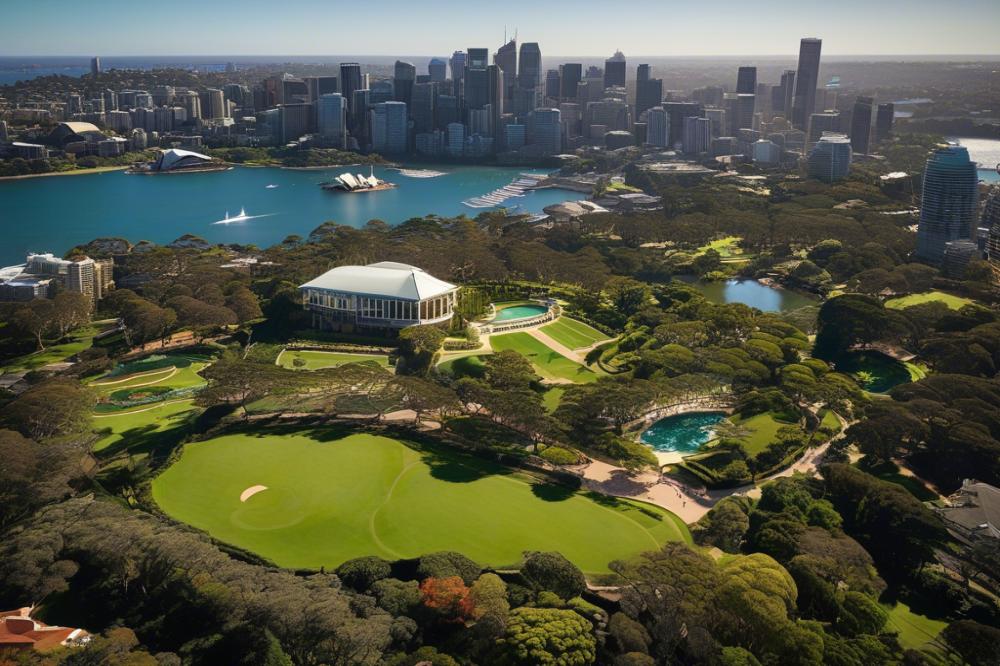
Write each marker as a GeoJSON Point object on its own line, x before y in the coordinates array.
{"type": "Point", "coordinates": [316, 360]}
{"type": "Point", "coordinates": [764, 429]}
{"type": "Point", "coordinates": [914, 630]}
{"type": "Point", "coordinates": [572, 333]}
{"type": "Point", "coordinates": [726, 247]}
{"type": "Point", "coordinates": [130, 427]}
{"type": "Point", "coordinates": [552, 398]}
{"type": "Point", "coordinates": [171, 376]}
{"type": "Point", "coordinates": [333, 495]}
{"type": "Point", "coordinates": [548, 363]}
{"type": "Point", "coordinates": [952, 301]}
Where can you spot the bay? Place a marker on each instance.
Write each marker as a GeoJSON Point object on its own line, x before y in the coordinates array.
{"type": "Point", "coordinates": [55, 213]}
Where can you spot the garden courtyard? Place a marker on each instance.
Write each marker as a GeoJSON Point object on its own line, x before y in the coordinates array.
{"type": "Point", "coordinates": [312, 498]}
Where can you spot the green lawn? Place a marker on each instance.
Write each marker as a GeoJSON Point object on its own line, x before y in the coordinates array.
{"type": "Point", "coordinates": [726, 247]}
{"type": "Point", "coordinates": [914, 630]}
{"type": "Point", "coordinates": [572, 333]}
{"type": "Point", "coordinates": [952, 301]}
{"type": "Point", "coordinates": [172, 376]}
{"type": "Point", "coordinates": [548, 363]}
{"type": "Point", "coordinates": [135, 427]}
{"type": "Point", "coordinates": [764, 429]}
{"type": "Point", "coordinates": [552, 398]}
{"type": "Point", "coordinates": [465, 366]}
{"type": "Point", "coordinates": [332, 496]}
{"type": "Point", "coordinates": [316, 360]}
{"type": "Point", "coordinates": [80, 339]}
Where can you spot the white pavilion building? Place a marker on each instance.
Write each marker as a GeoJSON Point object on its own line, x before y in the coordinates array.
{"type": "Point", "coordinates": [386, 295]}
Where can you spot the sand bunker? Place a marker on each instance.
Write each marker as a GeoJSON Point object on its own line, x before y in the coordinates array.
{"type": "Point", "coordinates": [250, 492]}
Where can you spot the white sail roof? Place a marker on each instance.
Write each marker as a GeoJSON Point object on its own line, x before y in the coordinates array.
{"type": "Point", "coordinates": [387, 278]}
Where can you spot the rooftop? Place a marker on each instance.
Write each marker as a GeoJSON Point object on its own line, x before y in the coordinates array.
{"type": "Point", "coordinates": [386, 278]}
{"type": "Point", "coordinates": [976, 508]}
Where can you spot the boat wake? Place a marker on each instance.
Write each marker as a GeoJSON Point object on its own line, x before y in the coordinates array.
{"type": "Point", "coordinates": [242, 217]}
{"type": "Point", "coordinates": [422, 173]}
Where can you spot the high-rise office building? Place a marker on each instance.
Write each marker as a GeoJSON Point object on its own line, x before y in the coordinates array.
{"type": "Point", "coordinates": [739, 111]}
{"type": "Point", "coordinates": [446, 111]}
{"type": "Point", "coordinates": [404, 76]}
{"type": "Point", "coordinates": [545, 131]}
{"type": "Point", "coordinates": [746, 81]}
{"type": "Point", "coordinates": [609, 114]}
{"type": "Point", "coordinates": [455, 145]}
{"type": "Point", "coordinates": [718, 119]}
{"type": "Point", "coordinates": [823, 123]}
{"type": "Point", "coordinates": [529, 74]}
{"type": "Point", "coordinates": [95, 66]}
{"type": "Point", "coordinates": [648, 91]}
{"type": "Point", "coordinates": [191, 101]}
{"type": "Point", "coordinates": [457, 63]}
{"type": "Point", "coordinates": [614, 70]}
{"type": "Point", "coordinates": [317, 86]}
{"type": "Point", "coordinates": [570, 75]}
{"type": "Point", "coordinates": [437, 69]}
{"type": "Point", "coordinates": [697, 135]}
{"type": "Point", "coordinates": [506, 59]}
{"type": "Point", "coordinates": [331, 123]}
{"type": "Point", "coordinates": [350, 80]}
{"type": "Point", "coordinates": [806, 80]}
{"type": "Point", "coordinates": [213, 104]}
{"type": "Point", "coordinates": [358, 120]}
{"type": "Point", "coordinates": [830, 158]}
{"type": "Point", "coordinates": [552, 84]}
{"type": "Point", "coordinates": [657, 127]}
{"type": "Point", "coordinates": [949, 202]}
{"type": "Point", "coordinates": [477, 58]}
{"type": "Point", "coordinates": [422, 106]}
{"type": "Point", "coordinates": [861, 125]}
{"type": "Point", "coordinates": [678, 111]}
{"type": "Point", "coordinates": [295, 120]}
{"type": "Point", "coordinates": [495, 97]}
{"type": "Point", "coordinates": [991, 221]}
{"type": "Point", "coordinates": [883, 121]}
{"type": "Point", "coordinates": [783, 95]}
{"type": "Point", "coordinates": [389, 128]}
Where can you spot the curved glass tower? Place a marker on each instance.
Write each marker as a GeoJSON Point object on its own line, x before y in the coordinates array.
{"type": "Point", "coordinates": [949, 202]}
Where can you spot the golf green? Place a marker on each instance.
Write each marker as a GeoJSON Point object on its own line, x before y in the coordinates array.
{"type": "Point", "coordinates": [316, 360]}
{"type": "Point", "coordinates": [333, 496]}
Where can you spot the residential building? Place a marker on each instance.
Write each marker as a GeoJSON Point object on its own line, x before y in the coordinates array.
{"type": "Point", "coordinates": [949, 202]}
{"type": "Point", "coordinates": [18, 630]}
{"type": "Point", "coordinates": [973, 512]}
{"type": "Point", "coordinates": [697, 136]}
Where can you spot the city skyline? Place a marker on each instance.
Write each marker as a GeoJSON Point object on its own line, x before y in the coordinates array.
{"type": "Point", "coordinates": [313, 28]}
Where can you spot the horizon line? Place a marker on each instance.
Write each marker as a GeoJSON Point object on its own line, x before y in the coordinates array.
{"type": "Point", "coordinates": [427, 55]}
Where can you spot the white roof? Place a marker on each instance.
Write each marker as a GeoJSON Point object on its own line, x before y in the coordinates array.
{"type": "Point", "coordinates": [173, 155]}
{"type": "Point", "coordinates": [386, 278]}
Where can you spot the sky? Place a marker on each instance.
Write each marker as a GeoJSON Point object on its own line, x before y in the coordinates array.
{"type": "Point", "coordinates": [433, 27]}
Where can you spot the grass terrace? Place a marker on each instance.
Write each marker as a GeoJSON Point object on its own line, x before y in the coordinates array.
{"type": "Point", "coordinates": [915, 631]}
{"type": "Point", "coordinates": [320, 497]}
{"type": "Point", "coordinates": [78, 340]}
{"type": "Point", "coordinates": [548, 363]}
{"type": "Point", "coordinates": [573, 334]}
{"type": "Point", "coordinates": [952, 301]}
{"type": "Point", "coordinates": [317, 360]}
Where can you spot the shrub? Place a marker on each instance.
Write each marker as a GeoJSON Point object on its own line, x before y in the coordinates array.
{"type": "Point", "coordinates": [445, 564]}
{"type": "Point", "coordinates": [362, 572]}
{"type": "Point", "coordinates": [558, 455]}
{"type": "Point", "coordinates": [553, 572]}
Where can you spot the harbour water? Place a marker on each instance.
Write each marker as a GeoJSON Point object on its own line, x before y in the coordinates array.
{"type": "Point", "coordinates": [52, 214]}
{"type": "Point", "coordinates": [750, 292]}
{"type": "Point", "coordinates": [986, 153]}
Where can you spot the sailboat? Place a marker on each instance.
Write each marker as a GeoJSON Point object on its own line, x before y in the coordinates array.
{"type": "Point", "coordinates": [242, 217]}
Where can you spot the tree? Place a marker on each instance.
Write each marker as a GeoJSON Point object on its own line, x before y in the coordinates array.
{"type": "Point", "coordinates": [31, 475]}
{"type": "Point", "coordinates": [845, 321]}
{"type": "Point", "coordinates": [362, 572]}
{"type": "Point", "coordinates": [553, 572]}
{"type": "Point", "coordinates": [56, 407]}
{"type": "Point", "coordinates": [449, 597]}
{"type": "Point", "coordinates": [199, 314]}
{"type": "Point", "coordinates": [488, 596]}
{"type": "Point", "coordinates": [447, 563]}
{"type": "Point", "coordinates": [244, 303]}
{"type": "Point", "coordinates": [418, 346]}
{"type": "Point", "coordinates": [627, 295]}
{"type": "Point", "coordinates": [724, 526]}
{"type": "Point", "coordinates": [508, 370]}
{"type": "Point", "coordinates": [540, 636]}
{"type": "Point", "coordinates": [35, 319]}
{"type": "Point", "coordinates": [978, 644]}
{"type": "Point", "coordinates": [70, 310]}
{"type": "Point", "coordinates": [424, 396]}
{"type": "Point", "coordinates": [238, 381]}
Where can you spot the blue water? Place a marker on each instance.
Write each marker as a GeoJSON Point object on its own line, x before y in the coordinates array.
{"type": "Point", "coordinates": [881, 373]}
{"type": "Point", "coordinates": [519, 312]}
{"type": "Point", "coordinates": [685, 433]}
{"type": "Point", "coordinates": [53, 214]}
{"type": "Point", "coordinates": [750, 292]}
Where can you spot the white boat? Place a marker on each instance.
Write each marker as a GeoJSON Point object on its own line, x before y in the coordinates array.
{"type": "Point", "coordinates": [242, 217]}
{"type": "Point", "coordinates": [270, 187]}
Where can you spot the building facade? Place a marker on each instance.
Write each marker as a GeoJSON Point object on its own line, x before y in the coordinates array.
{"type": "Point", "coordinates": [830, 158]}
{"type": "Point", "coordinates": [949, 202]}
{"type": "Point", "coordinates": [386, 295]}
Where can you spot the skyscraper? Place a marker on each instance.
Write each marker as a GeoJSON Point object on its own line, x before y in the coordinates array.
{"type": "Point", "coordinates": [806, 80]}
{"type": "Point", "coordinates": [788, 88]}
{"type": "Point", "coordinates": [506, 59]}
{"type": "Point", "coordinates": [570, 75]}
{"type": "Point", "coordinates": [648, 91]}
{"type": "Point", "coordinates": [991, 220]}
{"type": "Point", "coordinates": [545, 131]}
{"type": "Point", "coordinates": [404, 76]}
{"type": "Point", "coordinates": [883, 121]}
{"type": "Point", "coordinates": [495, 88]}
{"type": "Point", "coordinates": [95, 66]}
{"type": "Point", "coordinates": [389, 131]}
{"type": "Point", "coordinates": [697, 135]}
{"type": "Point", "coordinates": [746, 80]}
{"type": "Point", "coordinates": [949, 202]}
{"type": "Point", "coordinates": [360, 119]}
{"type": "Point", "coordinates": [614, 70]}
{"type": "Point", "coordinates": [437, 69]}
{"type": "Point", "coordinates": [678, 111]}
{"type": "Point", "coordinates": [422, 106]}
{"type": "Point", "coordinates": [552, 83]}
{"type": "Point", "coordinates": [529, 76]}
{"type": "Point", "coordinates": [458, 71]}
{"type": "Point", "coordinates": [331, 119]}
{"type": "Point", "coordinates": [830, 158]}
{"type": "Point", "coordinates": [657, 127]}
{"type": "Point", "coordinates": [350, 80]}
{"type": "Point", "coordinates": [861, 125]}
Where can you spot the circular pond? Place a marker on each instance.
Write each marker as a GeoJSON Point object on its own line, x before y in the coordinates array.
{"type": "Point", "coordinates": [683, 433]}
{"type": "Point", "coordinates": [876, 372]}
{"type": "Point", "coordinates": [750, 292]}
{"type": "Point", "coordinates": [523, 311]}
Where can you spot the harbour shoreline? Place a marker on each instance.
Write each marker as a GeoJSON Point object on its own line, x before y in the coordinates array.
{"type": "Point", "coordinates": [72, 172]}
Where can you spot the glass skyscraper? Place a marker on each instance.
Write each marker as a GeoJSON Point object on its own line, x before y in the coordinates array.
{"type": "Point", "coordinates": [806, 80]}
{"type": "Point", "coordinates": [949, 202]}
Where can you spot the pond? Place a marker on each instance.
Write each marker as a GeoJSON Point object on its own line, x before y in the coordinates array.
{"type": "Point", "coordinates": [519, 312]}
{"type": "Point", "coordinates": [750, 292]}
{"type": "Point", "coordinates": [876, 372]}
{"type": "Point", "coordinates": [684, 433]}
